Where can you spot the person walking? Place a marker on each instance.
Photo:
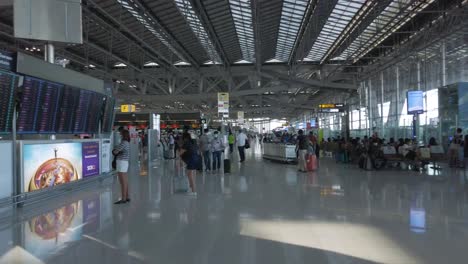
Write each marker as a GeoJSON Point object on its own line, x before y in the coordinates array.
{"type": "Point", "coordinates": [302, 145]}
{"type": "Point", "coordinates": [231, 141]}
{"type": "Point", "coordinates": [189, 154]}
{"type": "Point", "coordinates": [217, 146]}
{"type": "Point", "coordinates": [241, 139]}
{"type": "Point", "coordinates": [205, 142]}
{"type": "Point", "coordinates": [122, 151]}
{"type": "Point", "coordinates": [315, 145]}
{"type": "Point", "coordinates": [172, 146]}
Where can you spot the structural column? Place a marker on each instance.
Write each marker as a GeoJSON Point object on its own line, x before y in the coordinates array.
{"type": "Point", "coordinates": [397, 112]}
{"type": "Point", "coordinates": [382, 123]}
{"type": "Point", "coordinates": [49, 53]}
{"type": "Point", "coordinates": [444, 64]}
{"type": "Point", "coordinates": [369, 107]}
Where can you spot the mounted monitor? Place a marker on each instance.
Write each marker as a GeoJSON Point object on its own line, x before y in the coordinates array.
{"type": "Point", "coordinates": [39, 102]}
{"type": "Point", "coordinates": [314, 123]}
{"type": "Point", "coordinates": [108, 116]}
{"type": "Point", "coordinates": [415, 102]}
{"type": "Point", "coordinates": [8, 84]}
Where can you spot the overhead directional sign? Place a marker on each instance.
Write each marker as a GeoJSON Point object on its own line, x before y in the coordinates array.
{"type": "Point", "coordinates": [223, 104]}
{"type": "Point", "coordinates": [127, 108]}
{"type": "Point", "coordinates": [240, 117]}
{"type": "Point", "coordinates": [331, 108]}
{"type": "Point", "coordinates": [331, 105]}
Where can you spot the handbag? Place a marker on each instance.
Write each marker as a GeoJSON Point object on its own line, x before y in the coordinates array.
{"type": "Point", "coordinates": [185, 156]}
{"type": "Point", "coordinates": [114, 161]}
{"type": "Point", "coordinates": [247, 144]}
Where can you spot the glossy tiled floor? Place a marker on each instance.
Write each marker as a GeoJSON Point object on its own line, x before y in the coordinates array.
{"type": "Point", "coordinates": [262, 212]}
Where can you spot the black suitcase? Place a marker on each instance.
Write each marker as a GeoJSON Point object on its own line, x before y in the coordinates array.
{"type": "Point", "coordinates": [227, 166]}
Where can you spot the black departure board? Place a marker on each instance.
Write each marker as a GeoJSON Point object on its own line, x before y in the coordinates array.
{"type": "Point", "coordinates": [39, 104]}
{"type": "Point", "coordinates": [108, 117]}
{"type": "Point", "coordinates": [29, 104]}
{"type": "Point", "coordinates": [81, 111]}
{"type": "Point", "coordinates": [48, 107]}
{"type": "Point", "coordinates": [94, 113]}
{"type": "Point", "coordinates": [69, 98]}
{"type": "Point", "coordinates": [7, 92]}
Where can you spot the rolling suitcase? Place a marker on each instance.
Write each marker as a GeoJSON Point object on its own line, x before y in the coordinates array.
{"type": "Point", "coordinates": [227, 166]}
{"type": "Point", "coordinates": [311, 162]}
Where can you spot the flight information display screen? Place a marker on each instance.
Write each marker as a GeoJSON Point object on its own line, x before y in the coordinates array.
{"type": "Point", "coordinates": [107, 119]}
{"type": "Point", "coordinates": [7, 94]}
{"type": "Point", "coordinates": [94, 113]}
{"type": "Point", "coordinates": [48, 107]}
{"type": "Point", "coordinates": [66, 111]}
{"type": "Point", "coordinates": [38, 106]}
{"type": "Point", "coordinates": [81, 111]}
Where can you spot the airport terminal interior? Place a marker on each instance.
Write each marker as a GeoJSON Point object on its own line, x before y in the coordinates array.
{"type": "Point", "coordinates": [234, 131]}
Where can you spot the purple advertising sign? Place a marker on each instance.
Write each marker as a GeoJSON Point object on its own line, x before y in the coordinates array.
{"type": "Point", "coordinates": [90, 159]}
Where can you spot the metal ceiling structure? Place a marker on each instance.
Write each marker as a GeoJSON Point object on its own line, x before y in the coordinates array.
{"type": "Point", "coordinates": [275, 57]}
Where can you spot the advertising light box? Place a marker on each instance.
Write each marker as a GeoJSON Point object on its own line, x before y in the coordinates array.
{"type": "Point", "coordinates": [90, 152]}
{"type": "Point", "coordinates": [47, 164]}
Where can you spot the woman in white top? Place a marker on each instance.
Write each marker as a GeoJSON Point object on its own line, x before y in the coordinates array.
{"type": "Point", "coordinates": [122, 151]}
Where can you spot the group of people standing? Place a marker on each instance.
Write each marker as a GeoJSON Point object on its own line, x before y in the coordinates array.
{"type": "Point", "coordinates": [207, 150]}
{"type": "Point", "coordinates": [211, 148]}
{"type": "Point", "coordinates": [308, 151]}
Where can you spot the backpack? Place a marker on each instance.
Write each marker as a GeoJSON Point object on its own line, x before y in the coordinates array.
{"type": "Point", "coordinates": [303, 143]}
{"type": "Point", "coordinates": [217, 144]}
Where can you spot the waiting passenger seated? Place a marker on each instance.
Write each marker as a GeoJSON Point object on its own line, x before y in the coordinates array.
{"type": "Point", "coordinates": [406, 150]}
{"type": "Point", "coordinates": [432, 142]}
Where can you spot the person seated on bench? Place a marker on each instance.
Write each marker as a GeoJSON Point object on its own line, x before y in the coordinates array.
{"type": "Point", "coordinates": [399, 144]}
{"type": "Point", "coordinates": [408, 152]}
{"type": "Point", "coordinates": [432, 142]}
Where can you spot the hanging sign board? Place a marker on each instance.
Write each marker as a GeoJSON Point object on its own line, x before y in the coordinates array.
{"type": "Point", "coordinates": [240, 117]}
{"type": "Point", "coordinates": [223, 103]}
{"type": "Point", "coordinates": [127, 108]}
{"type": "Point", "coordinates": [331, 108]}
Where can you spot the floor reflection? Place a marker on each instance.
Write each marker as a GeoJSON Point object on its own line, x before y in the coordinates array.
{"type": "Point", "coordinates": [262, 212]}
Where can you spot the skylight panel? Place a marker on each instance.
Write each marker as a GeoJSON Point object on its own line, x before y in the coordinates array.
{"type": "Point", "coordinates": [242, 62]}
{"type": "Point", "coordinates": [149, 24]}
{"type": "Point", "coordinates": [273, 61]}
{"type": "Point", "coordinates": [186, 8]}
{"type": "Point", "coordinates": [212, 63]}
{"type": "Point", "coordinates": [337, 22]}
{"type": "Point", "coordinates": [242, 15]}
{"type": "Point", "coordinates": [292, 15]}
{"type": "Point", "coordinates": [182, 63]}
{"type": "Point", "coordinates": [393, 17]}
{"type": "Point", "coordinates": [151, 64]}
{"type": "Point", "coordinates": [120, 65]}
